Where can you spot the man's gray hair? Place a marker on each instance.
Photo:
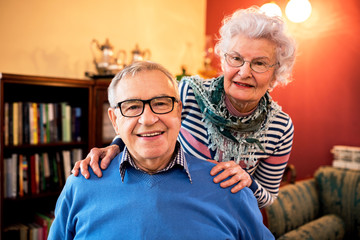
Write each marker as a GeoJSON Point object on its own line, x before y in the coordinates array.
{"type": "Point", "coordinates": [133, 69]}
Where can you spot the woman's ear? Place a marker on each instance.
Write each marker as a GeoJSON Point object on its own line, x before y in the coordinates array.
{"type": "Point", "coordinates": [272, 84]}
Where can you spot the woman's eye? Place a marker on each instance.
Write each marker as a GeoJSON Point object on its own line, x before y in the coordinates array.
{"type": "Point", "coordinates": [260, 63]}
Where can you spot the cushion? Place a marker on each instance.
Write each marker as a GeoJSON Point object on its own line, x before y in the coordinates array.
{"type": "Point", "coordinates": [328, 227]}
{"type": "Point", "coordinates": [288, 211]}
{"type": "Point", "coordinates": [339, 193]}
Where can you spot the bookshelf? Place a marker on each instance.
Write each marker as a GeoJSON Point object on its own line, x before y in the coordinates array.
{"type": "Point", "coordinates": [46, 124]}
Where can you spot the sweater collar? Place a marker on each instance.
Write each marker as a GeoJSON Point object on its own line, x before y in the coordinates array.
{"type": "Point", "coordinates": [178, 160]}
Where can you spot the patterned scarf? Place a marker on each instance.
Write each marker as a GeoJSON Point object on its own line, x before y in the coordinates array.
{"type": "Point", "coordinates": [236, 137]}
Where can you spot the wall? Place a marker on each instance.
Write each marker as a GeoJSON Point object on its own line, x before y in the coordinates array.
{"type": "Point", "coordinates": [52, 38]}
{"type": "Point", "coordinates": [323, 100]}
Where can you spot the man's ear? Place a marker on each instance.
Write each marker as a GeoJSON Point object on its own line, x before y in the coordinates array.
{"type": "Point", "coordinates": [180, 106]}
{"type": "Point", "coordinates": [113, 118]}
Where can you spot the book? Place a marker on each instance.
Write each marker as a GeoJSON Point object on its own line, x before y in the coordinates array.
{"type": "Point", "coordinates": [60, 168]}
{"type": "Point", "coordinates": [41, 122]}
{"type": "Point", "coordinates": [25, 169]}
{"type": "Point", "coordinates": [77, 124]}
{"type": "Point", "coordinates": [26, 122]}
{"type": "Point", "coordinates": [33, 123]}
{"type": "Point", "coordinates": [63, 120]}
{"type": "Point", "coordinates": [32, 174]}
{"type": "Point", "coordinates": [53, 179]}
{"type": "Point", "coordinates": [16, 231]}
{"type": "Point", "coordinates": [52, 122]}
{"type": "Point", "coordinates": [76, 155]}
{"type": "Point", "coordinates": [66, 122]}
{"type": "Point", "coordinates": [44, 220]}
{"type": "Point", "coordinates": [11, 176]}
{"type": "Point", "coordinates": [59, 121]}
{"type": "Point", "coordinates": [6, 123]}
{"type": "Point", "coordinates": [7, 179]}
{"type": "Point", "coordinates": [42, 181]}
{"type": "Point", "coordinates": [47, 170]}
{"type": "Point", "coordinates": [67, 163]}
{"type": "Point", "coordinates": [20, 176]}
{"type": "Point", "coordinates": [11, 142]}
{"type": "Point", "coordinates": [47, 121]}
{"type": "Point", "coordinates": [15, 126]}
{"type": "Point", "coordinates": [37, 173]}
{"type": "Point", "coordinates": [20, 123]}
{"type": "Point", "coordinates": [35, 231]}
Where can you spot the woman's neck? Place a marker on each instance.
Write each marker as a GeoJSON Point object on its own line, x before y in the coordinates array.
{"type": "Point", "coordinates": [239, 110]}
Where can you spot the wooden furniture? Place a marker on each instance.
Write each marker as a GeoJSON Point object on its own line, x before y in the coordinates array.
{"type": "Point", "coordinates": [326, 206]}
{"type": "Point", "coordinates": [87, 96]}
{"type": "Point", "coordinates": [104, 132]}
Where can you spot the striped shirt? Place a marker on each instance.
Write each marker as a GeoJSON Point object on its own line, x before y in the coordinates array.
{"type": "Point", "coordinates": [269, 166]}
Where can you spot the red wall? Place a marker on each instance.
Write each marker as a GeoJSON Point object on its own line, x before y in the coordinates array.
{"type": "Point", "coordinates": [324, 98]}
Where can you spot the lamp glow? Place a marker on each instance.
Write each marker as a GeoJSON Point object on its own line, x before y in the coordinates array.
{"type": "Point", "coordinates": [298, 10]}
{"type": "Point", "coordinates": [271, 9]}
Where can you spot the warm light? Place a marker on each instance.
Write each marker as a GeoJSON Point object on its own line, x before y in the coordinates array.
{"type": "Point", "coordinates": [271, 9]}
{"type": "Point", "coordinates": [298, 10]}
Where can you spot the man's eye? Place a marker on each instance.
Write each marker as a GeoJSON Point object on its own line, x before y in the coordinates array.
{"type": "Point", "coordinates": [159, 104]}
{"type": "Point", "coordinates": [131, 107]}
{"type": "Point", "coordinates": [134, 107]}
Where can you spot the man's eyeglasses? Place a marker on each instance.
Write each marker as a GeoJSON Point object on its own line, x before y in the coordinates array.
{"type": "Point", "coordinates": [135, 107]}
{"type": "Point", "coordinates": [259, 66]}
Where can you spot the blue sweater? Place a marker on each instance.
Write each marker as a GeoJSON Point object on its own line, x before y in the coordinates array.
{"type": "Point", "coordinates": [161, 206]}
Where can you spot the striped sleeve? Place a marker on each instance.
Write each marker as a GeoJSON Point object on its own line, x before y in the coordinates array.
{"type": "Point", "coordinates": [269, 172]}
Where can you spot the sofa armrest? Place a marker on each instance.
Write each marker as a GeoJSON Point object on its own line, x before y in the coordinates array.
{"type": "Point", "coordinates": [339, 192]}
{"type": "Point", "coordinates": [295, 205]}
{"type": "Point", "coordinates": [328, 227]}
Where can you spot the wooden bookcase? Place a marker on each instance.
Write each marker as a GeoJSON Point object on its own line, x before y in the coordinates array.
{"type": "Point", "coordinates": [77, 93]}
{"type": "Point", "coordinates": [104, 132]}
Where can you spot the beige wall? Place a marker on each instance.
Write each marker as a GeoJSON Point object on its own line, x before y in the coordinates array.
{"type": "Point", "coordinates": [52, 38]}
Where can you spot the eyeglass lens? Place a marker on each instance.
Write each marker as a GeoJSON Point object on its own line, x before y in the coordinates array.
{"type": "Point", "coordinates": [159, 105]}
{"type": "Point", "coordinates": [256, 65]}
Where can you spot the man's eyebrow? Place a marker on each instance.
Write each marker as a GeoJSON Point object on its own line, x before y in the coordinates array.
{"type": "Point", "coordinates": [139, 98]}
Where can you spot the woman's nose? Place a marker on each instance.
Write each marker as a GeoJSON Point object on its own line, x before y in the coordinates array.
{"type": "Point", "coordinates": [148, 117]}
{"type": "Point", "coordinates": [245, 70]}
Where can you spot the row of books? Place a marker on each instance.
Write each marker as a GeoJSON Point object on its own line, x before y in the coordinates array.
{"type": "Point", "coordinates": [37, 230]}
{"type": "Point", "coordinates": [34, 123]}
{"type": "Point", "coordinates": [38, 173]}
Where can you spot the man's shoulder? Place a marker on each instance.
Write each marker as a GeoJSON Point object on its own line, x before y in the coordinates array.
{"type": "Point", "coordinates": [106, 174]}
{"type": "Point", "coordinates": [203, 181]}
{"type": "Point", "coordinates": [200, 172]}
{"type": "Point", "coordinates": [196, 164]}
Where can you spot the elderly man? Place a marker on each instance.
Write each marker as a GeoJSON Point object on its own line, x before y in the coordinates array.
{"type": "Point", "coordinates": [153, 190]}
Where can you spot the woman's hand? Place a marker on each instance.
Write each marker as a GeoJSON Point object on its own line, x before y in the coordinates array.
{"type": "Point", "coordinates": [106, 154]}
{"type": "Point", "coordinates": [238, 176]}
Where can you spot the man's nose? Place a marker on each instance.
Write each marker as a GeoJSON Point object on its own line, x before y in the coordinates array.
{"type": "Point", "coordinates": [148, 117]}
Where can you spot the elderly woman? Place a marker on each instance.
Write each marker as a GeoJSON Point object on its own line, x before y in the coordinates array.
{"type": "Point", "coordinates": [232, 119]}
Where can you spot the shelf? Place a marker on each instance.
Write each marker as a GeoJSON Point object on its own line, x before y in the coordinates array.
{"type": "Point", "coordinates": [52, 154]}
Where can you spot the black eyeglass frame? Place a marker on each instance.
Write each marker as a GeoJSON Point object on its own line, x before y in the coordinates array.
{"type": "Point", "coordinates": [250, 62]}
{"type": "Point", "coordinates": [173, 100]}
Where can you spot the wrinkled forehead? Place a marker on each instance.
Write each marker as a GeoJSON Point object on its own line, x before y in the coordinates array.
{"type": "Point", "coordinates": [145, 85]}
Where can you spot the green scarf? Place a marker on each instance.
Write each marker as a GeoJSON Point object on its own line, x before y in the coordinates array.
{"type": "Point", "coordinates": [239, 131]}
